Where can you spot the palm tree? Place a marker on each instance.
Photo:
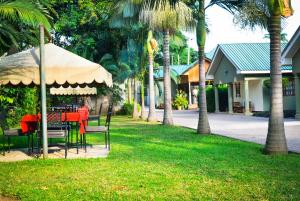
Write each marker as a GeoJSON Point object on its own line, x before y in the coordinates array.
{"type": "Point", "coordinates": [167, 19]}
{"type": "Point", "coordinates": [198, 9]}
{"type": "Point", "coordinates": [14, 13]}
{"type": "Point", "coordinates": [268, 14]}
{"type": "Point", "coordinates": [151, 47]}
{"type": "Point", "coordinates": [126, 17]}
{"type": "Point", "coordinates": [203, 124]}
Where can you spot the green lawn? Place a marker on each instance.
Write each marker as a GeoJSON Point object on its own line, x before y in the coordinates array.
{"type": "Point", "coordinates": [153, 162]}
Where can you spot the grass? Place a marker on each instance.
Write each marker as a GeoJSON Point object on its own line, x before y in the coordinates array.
{"type": "Point", "coordinates": [153, 162]}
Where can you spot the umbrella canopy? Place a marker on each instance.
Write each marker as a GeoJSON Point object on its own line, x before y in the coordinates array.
{"type": "Point", "coordinates": [73, 91]}
{"type": "Point", "coordinates": [61, 68]}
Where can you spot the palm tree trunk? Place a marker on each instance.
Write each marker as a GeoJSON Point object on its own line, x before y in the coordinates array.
{"type": "Point", "coordinates": [168, 116]}
{"type": "Point", "coordinates": [152, 113]}
{"type": "Point", "coordinates": [143, 115]}
{"type": "Point", "coordinates": [203, 124]}
{"type": "Point", "coordinates": [135, 114]}
{"type": "Point", "coordinates": [276, 141]}
{"type": "Point", "coordinates": [129, 90]}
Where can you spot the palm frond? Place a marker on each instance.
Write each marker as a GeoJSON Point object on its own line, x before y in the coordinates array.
{"type": "Point", "coordinates": [164, 16]}
{"type": "Point", "coordinates": [25, 11]}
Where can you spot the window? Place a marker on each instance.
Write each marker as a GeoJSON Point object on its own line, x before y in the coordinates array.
{"type": "Point", "coordinates": [237, 90]}
{"type": "Point", "coordinates": [289, 87]}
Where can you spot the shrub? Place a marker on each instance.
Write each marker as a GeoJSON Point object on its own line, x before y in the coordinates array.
{"type": "Point", "coordinates": [210, 98]}
{"type": "Point", "coordinates": [180, 100]}
{"type": "Point", "coordinates": [127, 109]}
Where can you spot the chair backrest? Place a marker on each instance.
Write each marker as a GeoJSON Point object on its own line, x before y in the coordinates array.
{"type": "Point", "coordinates": [54, 120]}
{"type": "Point", "coordinates": [109, 113]}
{"type": "Point", "coordinates": [100, 109]}
{"type": "Point", "coordinates": [74, 108]}
{"type": "Point", "coordinates": [3, 123]}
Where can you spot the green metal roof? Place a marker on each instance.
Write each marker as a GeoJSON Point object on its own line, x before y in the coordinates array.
{"type": "Point", "coordinates": [177, 69]}
{"type": "Point", "coordinates": [250, 56]}
{"type": "Point", "coordinates": [210, 54]}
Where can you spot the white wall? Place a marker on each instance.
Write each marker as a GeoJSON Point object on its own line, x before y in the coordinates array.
{"type": "Point", "coordinates": [256, 94]}
{"type": "Point", "coordinates": [241, 98]}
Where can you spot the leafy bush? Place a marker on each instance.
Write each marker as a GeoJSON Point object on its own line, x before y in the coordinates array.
{"type": "Point", "coordinates": [127, 109]}
{"type": "Point", "coordinates": [17, 101]}
{"type": "Point", "coordinates": [180, 100]}
{"type": "Point", "coordinates": [223, 98]}
{"type": "Point", "coordinates": [210, 98]}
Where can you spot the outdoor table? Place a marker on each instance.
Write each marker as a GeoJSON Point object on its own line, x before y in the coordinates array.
{"type": "Point", "coordinates": [29, 121]}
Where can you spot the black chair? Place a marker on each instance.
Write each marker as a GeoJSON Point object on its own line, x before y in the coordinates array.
{"type": "Point", "coordinates": [56, 129]}
{"type": "Point", "coordinates": [96, 117]}
{"type": "Point", "coordinates": [8, 133]}
{"type": "Point", "coordinates": [100, 129]}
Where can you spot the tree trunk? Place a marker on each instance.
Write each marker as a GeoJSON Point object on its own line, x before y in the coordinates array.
{"type": "Point", "coordinates": [152, 113]}
{"type": "Point", "coordinates": [143, 115]}
{"type": "Point", "coordinates": [168, 116]}
{"type": "Point", "coordinates": [276, 141]}
{"type": "Point", "coordinates": [135, 114]}
{"type": "Point", "coordinates": [129, 90]}
{"type": "Point", "coordinates": [203, 124]}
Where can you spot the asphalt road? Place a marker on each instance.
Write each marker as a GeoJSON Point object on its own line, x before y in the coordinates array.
{"type": "Point", "coordinates": [238, 126]}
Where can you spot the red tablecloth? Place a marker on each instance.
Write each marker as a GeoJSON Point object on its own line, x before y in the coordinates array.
{"type": "Point", "coordinates": [29, 121]}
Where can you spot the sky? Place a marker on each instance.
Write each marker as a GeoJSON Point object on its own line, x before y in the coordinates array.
{"type": "Point", "coordinates": [223, 30]}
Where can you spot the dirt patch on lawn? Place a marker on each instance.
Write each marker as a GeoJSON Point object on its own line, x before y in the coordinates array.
{"type": "Point", "coordinates": [5, 198]}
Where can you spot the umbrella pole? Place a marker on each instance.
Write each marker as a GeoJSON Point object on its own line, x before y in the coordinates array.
{"type": "Point", "coordinates": [43, 92]}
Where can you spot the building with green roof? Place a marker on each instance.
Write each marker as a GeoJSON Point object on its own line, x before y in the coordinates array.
{"type": "Point", "coordinates": [183, 77]}
{"type": "Point", "coordinates": [245, 68]}
{"type": "Point", "coordinates": [291, 56]}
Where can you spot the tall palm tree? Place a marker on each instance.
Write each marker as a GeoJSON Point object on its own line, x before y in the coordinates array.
{"type": "Point", "coordinates": [126, 17]}
{"type": "Point", "coordinates": [267, 14]}
{"type": "Point", "coordinates": [198, 9]}
{"type": "Point", "coordinates": [167, 19]}
{"type": "Point", "coordinates": [203, 124]}
{"type": "Point", "coordinates": [151, 47]}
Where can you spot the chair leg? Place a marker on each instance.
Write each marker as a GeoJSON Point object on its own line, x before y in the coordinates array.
{"type": "Point", "coordinates": [108, 139]}
{"type": "Point", "coordinates": [28, 143]}
{"type": "Point", "coordinates": [68, 140]}
{"type": "Point", "coordinates": [32, 138]}
{"type": "Point", "coordinates": [66, 146]}
{"type": "Point", "coordinates": [39, 142]}
{"type": "Point", "coordinates": [84, 139]}
{"type": "Point", "coordinates": [77, 138]}
{"type": "Point", "coordinates": [8, 140]}
{"type": "Point", "coordinates": [80, 141]}
{"type": "Point", "coordinates": [105, 139]}
{"type": "Point", "coordinates": [71, 133]}
{"type": "Point", "coordinates": [3, 145]}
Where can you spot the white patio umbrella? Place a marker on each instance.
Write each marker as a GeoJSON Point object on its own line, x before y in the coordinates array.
{"type": "Point", "coordinates": [57, 67]}
{"type": "Point", "coordinates": [61, 68]}
{"type": "Point", "coordinates": [77, 91]}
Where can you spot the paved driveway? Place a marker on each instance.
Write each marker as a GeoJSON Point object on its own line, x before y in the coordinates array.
{"type": "Point", "coordinates": [247, 128]}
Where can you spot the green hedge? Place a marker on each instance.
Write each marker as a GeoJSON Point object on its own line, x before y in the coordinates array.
{"type": "Point", "coordinates": [127, 109]}
{"type": "Point", "coordinates": [17, 101]}
{"type": "Point", "coordinates": [223, 98]}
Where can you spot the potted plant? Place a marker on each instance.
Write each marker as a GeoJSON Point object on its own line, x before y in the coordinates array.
{"type": "Point", "coordinates": [180, 101]}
